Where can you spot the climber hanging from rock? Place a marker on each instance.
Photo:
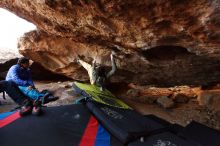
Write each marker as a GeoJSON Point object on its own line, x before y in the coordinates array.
{"type": "Point", "coordinates": [97, 73]}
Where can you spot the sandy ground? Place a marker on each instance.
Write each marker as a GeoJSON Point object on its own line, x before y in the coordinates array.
{"type": "Point", "coordinates": [181, 114]}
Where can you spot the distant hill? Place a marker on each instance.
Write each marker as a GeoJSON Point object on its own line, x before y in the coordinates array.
{"type": "Point", "coordinates": [7, 54]}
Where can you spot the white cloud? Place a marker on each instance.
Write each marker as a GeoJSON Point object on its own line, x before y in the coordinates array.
{"type": "Point", "coordinates": [11, 28]}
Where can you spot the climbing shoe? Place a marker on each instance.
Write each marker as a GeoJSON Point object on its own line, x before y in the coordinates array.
{"type": "Point", "coordinates": [26, 108]}
{"type": "Point", "coordinates": [50, 98]}
{"type": "Point", "coordinates": [37, 111]}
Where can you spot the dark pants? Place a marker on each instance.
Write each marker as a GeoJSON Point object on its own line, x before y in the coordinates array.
{"type": "Point", "coordinates": [13, 91]}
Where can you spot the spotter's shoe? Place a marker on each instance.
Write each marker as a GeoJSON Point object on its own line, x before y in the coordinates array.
{"type": "Point", "coordinates": [25, 110]}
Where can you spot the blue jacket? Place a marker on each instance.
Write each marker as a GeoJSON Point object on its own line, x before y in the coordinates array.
{"type": "Point", "coordinates": [21, 76]}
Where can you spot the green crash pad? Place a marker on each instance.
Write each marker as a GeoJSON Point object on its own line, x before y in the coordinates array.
{"type": "Point", "coordinates": [104, 97]}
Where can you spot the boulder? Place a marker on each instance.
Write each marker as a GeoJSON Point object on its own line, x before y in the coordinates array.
{"type": "Point", "coordinates": [165, 102]}
{"type": "Point", "coordinates": [210, 99]}
{"type": "Point", "coordinates": [180, 98]}
{"type": "Point", "coordinates": [164, 42]}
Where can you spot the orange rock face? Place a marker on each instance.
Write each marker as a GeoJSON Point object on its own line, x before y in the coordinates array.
{"type": "Point", "coordinates": [163, 42]}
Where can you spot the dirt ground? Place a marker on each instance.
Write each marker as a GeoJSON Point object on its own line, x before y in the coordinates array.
{"type": "Point", "coordinates": [182, 113]}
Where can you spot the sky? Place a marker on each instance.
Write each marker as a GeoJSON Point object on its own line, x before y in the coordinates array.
{"type": "Point", "coordinates": [11, 28]}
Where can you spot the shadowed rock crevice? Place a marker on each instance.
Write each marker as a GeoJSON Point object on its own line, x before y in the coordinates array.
{"type": "Point", "coordinates": [163, 53]}
{"type": "Point", "coordinates": [176, 61]}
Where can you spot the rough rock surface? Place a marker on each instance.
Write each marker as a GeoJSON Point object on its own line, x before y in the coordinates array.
{"type": "Point", "coordinates": [149, 95]}
{"type": "Point", "coordinates": [161, 42]}
{"type": "Point", "coordinates": [210, 99]}
{"type": "Point", "coordinates": [5, 66]}
{"type": "Point", "coordinates": [165, 102]}
{"type": "Point", "coordinates": [180, 98]}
